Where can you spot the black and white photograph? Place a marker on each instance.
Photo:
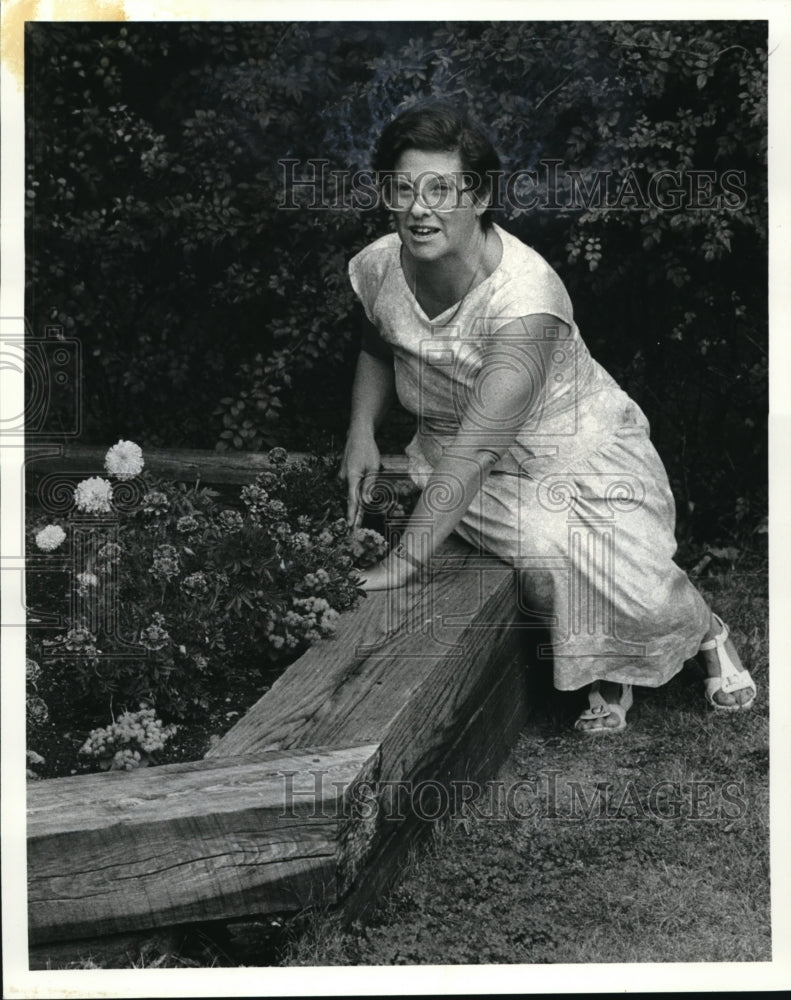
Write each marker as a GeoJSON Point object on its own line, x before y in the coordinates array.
{"type": "Point", "coordinates": [391, 480]}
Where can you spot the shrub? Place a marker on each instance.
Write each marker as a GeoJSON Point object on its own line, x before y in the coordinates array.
{"type": "Point", "coordinates": [155, 149]}
{"type": "Point", "coordinates": [181, 598]}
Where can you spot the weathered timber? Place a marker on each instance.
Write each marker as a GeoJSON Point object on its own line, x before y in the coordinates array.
{"type": "Point", "coordinates": [444, 697]}
{"type": "Point", "coordinates": [469, 758]}
{"type": "Point", "coordinates": [237, 467]}
{"type": "Point", "coordinates": [110, 853]}
{"type": "Point", "coordinates": [422, 685]}
{"type": "Point", "coordinates": [410, 690]}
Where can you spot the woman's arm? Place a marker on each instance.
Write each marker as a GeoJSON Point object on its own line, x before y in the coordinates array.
{"type": "Point", "coordinates": [373, 394]}
{"type": "Point", "coordinates": [508, 388]}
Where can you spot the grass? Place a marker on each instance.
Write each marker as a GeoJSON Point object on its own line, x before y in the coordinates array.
{"type": "Point", "coordinates": [654, 878]}
{"type": "Point", "coordinates": [648, 877]}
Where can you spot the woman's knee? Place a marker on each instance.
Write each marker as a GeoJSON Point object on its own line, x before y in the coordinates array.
{"type": "Point", "coordinates": [536, 590]}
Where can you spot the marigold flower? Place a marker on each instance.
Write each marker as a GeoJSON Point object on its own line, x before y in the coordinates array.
{"type": "Point", "coordinates": [230, 520]}
{"type": "Point", "coordinates": [94, 496]}
{"type": "Point", "coordinates": [155, 636]}
{"type": "Point", "coordinates": [195, 585]}
{"type": "Point", "coordinates": [36, 710]}
{"type": "Point", "coordinates": [32, 671]}
{"type": "Point", "coordinates": [166, 563]}
{"type": "Point", "coordinates": [155, 503]}
{"type": "Point", "coordinates": [188, 523]}
{"type": "Point", "coordinates": [81, 640]}
{"type": "Point", "coordinates": [300, 541]}
{"type": "Point", "coordinates": [124, 460]}
{"type": "Point", "coordinates": [278, 456]}
{"type": "Point", "coordinates": [50, 538]}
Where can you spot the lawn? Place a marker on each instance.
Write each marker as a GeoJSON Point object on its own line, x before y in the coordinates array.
{"type": "Point", "coordinates": [648, 846]}
{"type": "Point", "coordinates": [670, 865]}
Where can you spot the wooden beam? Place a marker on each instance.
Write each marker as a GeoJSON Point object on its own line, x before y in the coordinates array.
{"type": "Point", "coordinates": [234, 467]}
{"type": "Point", "coordinates": [440, 699]}
{"type": "Point", "coordinates": [410, 691]}
{"type": "Point", "coordinates": [111, 853]}
{"type": "Point", "coordinates": [445, 698]}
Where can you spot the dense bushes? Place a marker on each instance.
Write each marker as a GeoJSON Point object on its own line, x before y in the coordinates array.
{"type": "Point", "coordinates": [210, 315]}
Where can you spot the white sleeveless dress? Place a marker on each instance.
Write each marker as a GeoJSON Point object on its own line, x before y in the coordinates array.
{"type": "Point", "coordinates": [581, 494]}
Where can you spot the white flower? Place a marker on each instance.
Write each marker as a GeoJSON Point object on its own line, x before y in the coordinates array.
{"type": "Point", "coordinates": [87, 579]}
{"type": "Point", "coordinates": [49, 538]}
{"type": "Point", "coordinates": [124, 460]}
{"type": "Point", "coordinates": [93, 496]}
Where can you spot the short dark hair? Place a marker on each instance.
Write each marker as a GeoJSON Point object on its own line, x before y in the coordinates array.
{"type": "Point", "coordinates": [440, 127]}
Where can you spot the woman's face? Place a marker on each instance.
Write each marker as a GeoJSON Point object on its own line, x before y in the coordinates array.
{"type": "Point", "coordinates": [429, 235]}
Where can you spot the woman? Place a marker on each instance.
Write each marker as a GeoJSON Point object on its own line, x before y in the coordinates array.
{"type": "Point", "coordinates": [547, 460]}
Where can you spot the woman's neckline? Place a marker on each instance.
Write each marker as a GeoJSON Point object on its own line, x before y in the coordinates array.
{"type": "Point", "coordinates": [454, 307]}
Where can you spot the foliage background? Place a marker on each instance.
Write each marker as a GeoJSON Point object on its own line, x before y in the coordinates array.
{"type": "Point", "coordinates": [211, 317]}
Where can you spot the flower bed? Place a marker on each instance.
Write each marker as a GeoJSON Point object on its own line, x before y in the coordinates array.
{"type": "Point", "coordinates": [160, 611]}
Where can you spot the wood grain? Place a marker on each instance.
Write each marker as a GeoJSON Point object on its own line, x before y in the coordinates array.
{"type": "Point", "coordinates": [109, 853]}
{"type": "Point", "coordinates": [177, 463]}
{"type": "Point", "coordinates": [411, 690]}
{"type": "Point", "coordinates": [439, 697]}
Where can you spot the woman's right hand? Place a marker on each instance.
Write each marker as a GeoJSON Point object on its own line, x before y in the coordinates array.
{"type": "Point", "coordinates": [359, 467]}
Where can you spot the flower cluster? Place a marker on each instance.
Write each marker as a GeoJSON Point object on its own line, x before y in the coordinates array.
{"type": "Point", "coordinates": [166, 563]}
{"type": "Point", "coordinates": [278, 456]}
{"type": "Point", "coordinates": [261, 507]}
{"type": "Point", "coordinates": [280, 531]}
{"type": "Point", "coordinates": [309, 620]}
{"type": "Point", "coordinates": [36, 709]}
{"type": "Point", "coordinates": [129, 742]}
{"type": "Point", "coordinates": [201, 586]}
{"type": "Point", "coordinates": [124, 460]}
{"type": "Point", "coordinates": [300, 541]}
{"type": "Point", "coordinates": [84, 582]}
{"type": "Point", "coordinates": [33, 759]}
{"type": "Point", "coordinates": [195, 585]}
{"type": "Point", "coordinates": [32, 671]}
{"type": "Point", "coordinates": [155, 503]}
{"type": "Point", "coordinates": [108, 555]}
{"type": "Point", "coordinates": [155, 636]}
{"type": "Point", "coordinates": [50, 538]}
{"type": "Point", "coordinates": [94, 496]}
{"type": "Point", "coordinates": [188, 524]}
{"type": "Point", "coordinates": [318, 610]}
{"type": "Point", "coordinates": [367, 546]}
{"type": "Point", "coordinates": [314, 583]}
{"type": "Point", "coordinates": [80, 641]}
{"type": "Point", "coordinates": [230, 520]}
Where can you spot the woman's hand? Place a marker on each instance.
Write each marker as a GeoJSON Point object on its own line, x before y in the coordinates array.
{"type": "Point", "coordinates": [389, 574]}
{"type": "Point", "coordinates": [359, 466]}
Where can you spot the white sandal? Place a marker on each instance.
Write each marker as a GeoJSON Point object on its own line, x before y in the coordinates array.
{"type": "Point", "coordinates": [731, 677]}
{"type": "Point", "coordinates": [600, 709]}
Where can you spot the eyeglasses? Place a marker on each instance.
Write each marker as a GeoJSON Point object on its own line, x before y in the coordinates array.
{"type": "Point", "coordinates": [435, 192]}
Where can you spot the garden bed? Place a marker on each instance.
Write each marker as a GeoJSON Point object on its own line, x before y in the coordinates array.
{"type": "Point", "coordinates": [168, 608]}
{"type": "Point", "coordinates": [436, 703]}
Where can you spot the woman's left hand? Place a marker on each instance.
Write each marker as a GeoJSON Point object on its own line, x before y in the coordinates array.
{"type": "Point", "coordinates": [386, 575]}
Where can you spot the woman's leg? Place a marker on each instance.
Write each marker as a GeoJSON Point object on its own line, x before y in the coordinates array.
{"type": "Point", "coordinates": [711, 662]}
{"type": "Point", "coordinates": [537, 595]}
